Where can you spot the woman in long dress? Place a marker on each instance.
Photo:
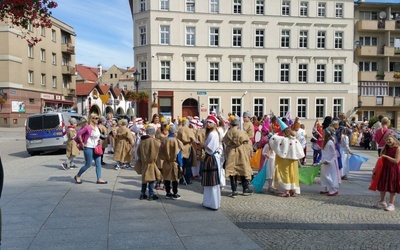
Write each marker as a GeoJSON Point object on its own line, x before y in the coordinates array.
{"type": "Point", "coordinates": [330, 174]}
{"type": "Point", "coordinates": [210, 178]}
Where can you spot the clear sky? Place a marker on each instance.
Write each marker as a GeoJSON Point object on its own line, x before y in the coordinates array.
{"type": "Point", "coordinates": [104, 31]}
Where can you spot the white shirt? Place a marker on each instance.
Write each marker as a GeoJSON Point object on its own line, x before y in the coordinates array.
{"type": "Point", "coordinates": [93, 139]}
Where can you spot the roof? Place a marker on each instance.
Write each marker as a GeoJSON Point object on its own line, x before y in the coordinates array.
{"type": "Point", "coordinates": [117, 91]}
{"type": "Point", "coordinates": [84, 89]}
{"type": "Point", "coordinates": [87, 73]}
{"type": "Point", "coordinates": [104, 89]}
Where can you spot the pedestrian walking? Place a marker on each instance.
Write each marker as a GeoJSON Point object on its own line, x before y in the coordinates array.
{"type": "Point", "coordinates": [72, 148]}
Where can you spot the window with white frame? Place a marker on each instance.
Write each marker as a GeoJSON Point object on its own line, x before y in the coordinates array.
{"type": "Point", "coordinates": [143, 70]}
{"type": "Point", "coordinates": [304, 9]}
{"type": "Point", "coordinates": [190, 5]}
{"type": "Point", "coordinates": [285, 38]}
{"type": "Point", "coordinates": [42, 55]}
{"type": "Point", "coordinates": [30, 27]}
{"type": "Point", "coordinates": [43, 31]}
{"type": "Point", "coordinates": [237, 37]}
{"type": "Point", "coordinates": [285, 8]}
{"type": "Point", "coordinates": [125, 87]}
{"type": "Point", "coordinates": [258, 107]}
{"type": "Point", "coordinates": [368, 114]}
{"type": "Point", "coordinates": [165, 70]}
{"type": "Point", "coordinates": [237, 6]}
{"type": "Point", "coordinates": [339, 10]}
{"type": "Point", "coordinates": [190, 36]}
{"type": "Point", "coordinates": [368, 15]}
{"type": "Point", "coordinates": [214, 105]}
{"type": "Point", "coordinates": [303, 68]}
{"type": "Point", "coordinates": [190, 71]}
{"type": "Point", "coordinates": [214, 36]}
{"type": "Point", "coordinates": [43, 79]}
{"type": "Point", "coordinates": [302, 108]}
{"type": "Point", "coordinates": [53, 35]}
{"type": "Point", "coordinates": [368, 41]}
{"type": "Point", "coordinates": [214, 71]}
{"type": "Point", "coordinates": [373, 88]}
{"type": "Point", "coordinates": [283, 106]}
{"type": "Point", "coordinates": [338, 73]}
{"type": "Point", "coordinates": [214, 6]}
{"type": "Point", "coordinates": [53, 59]}
{"type": "Point", "coordinates": [368, 66]}
{"type": "Point", "coordinates": [143, 35]}
{"type": "Point", "coordinates": [30, 51]}
{"type": "Point", "coordinates": [259, 7]}
{"type": "Point", "coordinates": [164, 35]}
{"type": "Point", "coordinates": [30, 77]}
{"type": "Point", "coordinates": [321, 10]}
{"type": "Point", "coordinates": [285, 70]}
{"type": "Point", "coordinates": [320, 108]}
{"type": "Point", "coordinates": [303, 39]}
{"type": "Point", "coordinates": [236, 106]}
{"type": "Point", "coordinates": [236, 72]}
{"type": "Point", "coordinates": [142, 5]}
{"type": "Point", "coordinates": [338, 40]}
{"type": "Point", "coordinates": [65, 61]}
{"type": "Point", "coordinates": [259, 72]}
{"type": "Point", "coordinates": [320, 73]}
{"type": "Point", "coordinates": [337, 106]}
{"type": "Point", "coordinates": [321, 39]}
{"type": "Point", "coordinates": [54, 82]}
{"type": "Point", "coordinates": [164, 4]}
{"type": "Point", "coordinates": [259, 38]}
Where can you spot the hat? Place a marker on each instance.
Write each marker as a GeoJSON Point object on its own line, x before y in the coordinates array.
{"type": "Point", "coordinates": [199, 124]}
{"type": "Point", "coordinates": [139, 119]}
{"type": "Point", "coordinates": [267, 123]}
{"type": "Point", "coordinates": [196, 118]}
{"type": "Point", "coordinates": [102, 119]}
{"type": "Point", "coordinates": [172, 129]}
{"type": "Point", "coordinates": [72, 121]}
{"type": "Point", "coordinates": [246, 114]}
{"type": "Point", "coordinates": [236, 120]}
{"type": "Point", "coordinates": [193, 122]}
{"type": "Point", "coordinates": [212, 119]}
{"type": "Point", "coordinates": [150, 130]}
{"type": "Point", "coordinates": [213, 113]}
{"type": "Point", "coordinates": [130, 124]}
{"type": "Point", "coordinates": [282, 124]}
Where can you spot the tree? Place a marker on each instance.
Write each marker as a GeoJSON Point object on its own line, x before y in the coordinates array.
{"type": "Point", "coordinates": [22, 13]}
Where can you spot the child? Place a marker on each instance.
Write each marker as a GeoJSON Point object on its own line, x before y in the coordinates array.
{"type": "Point", "coordinates": [389, 177]}
{"type": "Point", "coordinates": [72, 148]}
{"type": "Point", "coordinates": [345, 153]}
{"type": "Point", "coordinates": [330, 176]}
{"type": "Point", "coordinates": [269, 163]}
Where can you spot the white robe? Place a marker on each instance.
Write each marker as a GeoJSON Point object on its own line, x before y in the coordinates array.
{"type": "Point", "coordinates": [345, 155]}
{"type": "Point", "coordinates": [330, 175]}
{"type": "Point", "coordinates": [269, 163]}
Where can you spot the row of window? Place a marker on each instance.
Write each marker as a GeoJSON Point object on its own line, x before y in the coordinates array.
{"type": "Point", "coordinates": [42, 79]}
{"type": "Point", "coordinates": [238, 35]}
{"type": "Point", "coordinates": [65, 59]}
{"type": "Point", "coordinates": [259, 107]}
{"type": "Point", "coordinates": [259, 73]}
{"type": "Point", "coordinates": [260, 6]}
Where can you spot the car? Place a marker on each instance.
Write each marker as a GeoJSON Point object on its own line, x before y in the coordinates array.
{"type": "Point", "coordinates": [48, 131]}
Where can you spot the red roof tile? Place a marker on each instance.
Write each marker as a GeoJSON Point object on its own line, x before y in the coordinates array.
{"type": "Point", "coordinates": [87, 73]}
{"type": "Point", "coordinates": [104, 89]}
{"type": "Point", "coordinates": [84, 88]}
{"type": "Point", "coordinates": [117, 91]}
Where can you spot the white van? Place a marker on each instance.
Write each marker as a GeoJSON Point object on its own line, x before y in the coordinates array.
{"type": "Point", "coordinates": [48, 131]}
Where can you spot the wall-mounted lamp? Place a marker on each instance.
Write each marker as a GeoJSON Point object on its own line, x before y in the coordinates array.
{"type": "Point", "coordinates": [154, 97]}
{"type": "Point", "coordinates": [360, 104]}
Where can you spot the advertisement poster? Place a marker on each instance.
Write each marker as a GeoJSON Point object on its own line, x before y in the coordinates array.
{"type": "Point", "coordinates": [18, 107]}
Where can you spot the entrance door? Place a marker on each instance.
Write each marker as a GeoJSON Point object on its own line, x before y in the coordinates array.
{"type": "Point", "coordinates": [190, 107]}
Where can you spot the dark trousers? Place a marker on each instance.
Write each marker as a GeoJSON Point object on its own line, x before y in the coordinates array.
{"type": "Point", "coordinates": [168, 186]}
{"type": "Point", "coordinates": [245, 183]}
{"type": "Point", "coordinates": [187, 169]}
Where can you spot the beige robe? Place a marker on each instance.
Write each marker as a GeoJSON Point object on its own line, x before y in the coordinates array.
{"type": "Point", "coordinates": [169, 149]}
{"type": "Point", "coordinates": [123, 145]}
{"type": "Point", "coordinates": [186, 136]}
{"type": "Point", "coordinates": [104, 131]}
{"type": "Point", "coordinates": [72, 147]}
{"type": "Point", "coordinates": [147, 156]}
{"type": "Point", "coordinates": [237, 159]}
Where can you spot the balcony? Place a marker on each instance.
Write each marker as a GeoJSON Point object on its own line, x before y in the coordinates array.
{"type": "Point", "coordinates": [378, 101]}
{"type": "Point", "coordinates": [68, 92]}
{"type": "Point", "coordinates": [367, 51]}
{"type": "Point", "coordinates": [67, 70]}
{"type": "Point", "coordinates": [68, 48]}
{"type": "Point", "coordinates": [369, 76]}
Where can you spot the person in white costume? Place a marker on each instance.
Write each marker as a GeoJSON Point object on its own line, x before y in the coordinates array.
{"type": "Point", "coordinates": [330, 175]}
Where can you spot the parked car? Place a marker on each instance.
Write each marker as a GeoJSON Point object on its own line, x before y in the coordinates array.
{"type": "Point", "coordinates": [48, 131]}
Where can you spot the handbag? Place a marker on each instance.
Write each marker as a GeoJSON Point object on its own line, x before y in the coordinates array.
{"type": "Point", "coordinates": [98, 150]}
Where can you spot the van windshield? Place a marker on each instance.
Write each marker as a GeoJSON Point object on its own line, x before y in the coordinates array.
{"type": "Point", "coordinates": [44, 122]}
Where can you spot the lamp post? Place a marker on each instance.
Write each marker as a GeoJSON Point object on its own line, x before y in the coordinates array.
{"type": "Point", "coordinates": [136, 79]}
{"type": "Point", "coordinates": [154, 97]}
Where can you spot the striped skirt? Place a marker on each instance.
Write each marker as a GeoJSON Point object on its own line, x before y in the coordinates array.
{"type": "Point", "coordinates": [210, 171]}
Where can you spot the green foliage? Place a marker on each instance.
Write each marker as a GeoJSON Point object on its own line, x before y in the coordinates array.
{"type": "Point", "coordinates": [372, 121]}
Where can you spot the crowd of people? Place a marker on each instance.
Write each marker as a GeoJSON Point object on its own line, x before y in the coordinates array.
{"type": "Point", "coordinates": [216, 149]}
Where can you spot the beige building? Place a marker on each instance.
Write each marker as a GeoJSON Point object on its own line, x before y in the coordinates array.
{"type": "Point", "coordinates": [237, 55]}
{"type": "Point", "coordinates": [377, 41]}
{"type": "Point", "coordinates": [38, 78]}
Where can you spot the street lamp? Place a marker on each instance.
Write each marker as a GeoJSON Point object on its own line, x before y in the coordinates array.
{"type": "Point", "coordinates": [136, 79]}
{"type": "Point", "coordinates": [154, 97]}
{"type": "Point", "coordinates": [241, 110]}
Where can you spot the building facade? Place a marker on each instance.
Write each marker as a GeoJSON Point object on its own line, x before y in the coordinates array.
{"type": "Point", "coordinates": [261, 56]}
{"type": "Point", "coordinates": [377, 53]}
{"type": "Point", "coordinates": [36, 79]}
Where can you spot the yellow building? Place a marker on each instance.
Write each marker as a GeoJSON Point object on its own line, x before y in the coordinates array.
{"type": "Point", "coordinates": [35, 79]}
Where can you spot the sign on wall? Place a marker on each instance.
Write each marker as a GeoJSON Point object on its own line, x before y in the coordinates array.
{"type": "Point", "coordinates": [17, 106]}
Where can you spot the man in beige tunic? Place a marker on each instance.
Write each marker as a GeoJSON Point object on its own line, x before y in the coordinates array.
{"type": "Point", "coordinates": [124, 143]}
{"type": "Point", "coordinates": [186, 136]}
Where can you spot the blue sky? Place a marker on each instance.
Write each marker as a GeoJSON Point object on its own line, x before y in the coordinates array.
{"type": "Point", "coordinates": [103, 31]}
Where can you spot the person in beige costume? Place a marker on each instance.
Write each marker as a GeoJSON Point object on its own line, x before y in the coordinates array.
{"type": "Point", "coordinates": [186, 136]}
{"type": "Point", "coordinates": [123, 145]}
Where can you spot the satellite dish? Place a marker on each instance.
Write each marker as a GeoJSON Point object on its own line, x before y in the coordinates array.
{"type": "Point", "coordinates": [382, 15]}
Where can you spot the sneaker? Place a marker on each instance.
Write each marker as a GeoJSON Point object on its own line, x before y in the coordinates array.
{"type": "Point", "coordinates": [176, 196]}
{"type": "Point", "coordinates": [128, 166]}
{"type": "Point", "coordinates": [390, 207]}
{"type": "Point", "coordinates": [72, 166]}
{"type": "Point", "coordinates": [168, 196]}
{"type": "Point", "coordinates": [103, 163]}
{"type": "Point", "coordinates": [143, 197]}
{"type": "Point", "coordinates": [248, 192]}
{"type": "Point", "coordinates": [117, 167]}
{"type": "Point", "coordinates": [64, 166]}
{"type": "Point", "coordinates": [233, 194]}
{"type": "Point", "coordinates": [381, 204]}
{"type": "Point", "coordinates": [153, 197]}
{"type": "Point", "coordinates": [344, 177]}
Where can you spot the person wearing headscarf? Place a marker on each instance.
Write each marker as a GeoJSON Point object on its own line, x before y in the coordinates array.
{"type": "Point", "coordinates": [72, 148]}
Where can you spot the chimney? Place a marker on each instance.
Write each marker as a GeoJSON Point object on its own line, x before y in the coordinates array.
{"type": "Point", "coordinates": [100, 70]}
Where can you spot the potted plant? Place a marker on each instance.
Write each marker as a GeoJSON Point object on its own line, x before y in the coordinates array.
{"type": "Point", "coordinates": [380, 76]}
{"type": "Point", "coordinates": [154, 105]}
{"type": "Point", "coordinates": [138, 97]}
{"type": "Point", "coordinates": [2, 100]}
{"type": "Point", "coordinates": [396, 75]}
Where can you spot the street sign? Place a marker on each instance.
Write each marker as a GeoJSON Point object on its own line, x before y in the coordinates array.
{"type": "Point", "coordinates": [202, 92]}
{"type": "Point", "coordinates": [104, 98]}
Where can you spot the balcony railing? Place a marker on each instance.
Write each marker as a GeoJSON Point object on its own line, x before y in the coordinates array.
{"type": "Point", "coordinates": [67, 70]}
{"type": "Point", "coordinates": [68, 48]}
{"type": "Point", "coordinates": [68, 92]}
